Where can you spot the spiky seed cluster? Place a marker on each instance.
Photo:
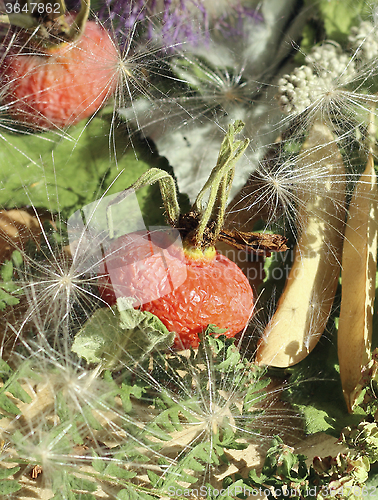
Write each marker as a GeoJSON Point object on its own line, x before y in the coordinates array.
{"type": "Point", "coordinates": [327, 66]}
{"type": "Point", "coordinates": [363, 40]}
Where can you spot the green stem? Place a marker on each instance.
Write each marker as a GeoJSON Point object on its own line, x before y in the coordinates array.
{"type": "Point", "coordinates": [219, 183]}
{"type": "Point", "coordinates": [78, 26]}
{"type": "Point", "coordinates": [20, 20]}
{"type": "Point", "coordinates": [168, 193]}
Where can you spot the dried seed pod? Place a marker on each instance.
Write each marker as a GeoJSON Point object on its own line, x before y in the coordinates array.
{"type": "Point", "coordinates": [306, 301]}
{"type": "Point", "coordinates": [359, 267]}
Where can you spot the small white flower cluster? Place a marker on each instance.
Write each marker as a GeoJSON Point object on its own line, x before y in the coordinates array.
{"type": "Point", "coordinates": [295, 91]}
{"type": "Point", "coordinates": [363, 40]}
{"type": "Point", "coordinates": [329, 61]}
{"type": "Point", "coordinates": [327, 68]}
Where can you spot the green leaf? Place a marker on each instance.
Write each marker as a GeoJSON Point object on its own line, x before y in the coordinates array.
{"type": "Point", "coordinates": [154, 478]}
{"type": "Point", "coordinates": [7, 270]}
{"type": "Point", "coordinates": [100, 330]}
{"type": "Point", "coordinates": [98, 463]}
{"type": "Point", "coordinates": [119, 472]}
{"type": "Point", "coordinates": [7, 487]}
{"type": "Point", "coordinates": [255, 393]}
{"type": "Point", "coordinates": [79, 483]}
{"type": "Point", "coordinates": [7, 300]}
{"type": "Point", "coordinates": [8, 289]}
{"type": "Point", "coordinates": [339, 16]}
{"type": "Point", "coordinates": [257, 479]}
{"type": "Point", "coordinates": [126, 392]}
{"type": "Point", "coordinates": [171, 419]}
{"type": "Point", "coordinates": [317, 394]}
{"type": "Point", "coordinates": [5, 472]}
{"type": "Point", "coordinates": [11, 385]}
{"type": "Point", "coordinates": [7, 405]}
{"type": "Point", "coordinates": [63, 174]}
{"type": "Point", "coordinates": [17, 258]}
{"type": "Point", "coordinates": [134, 494]}
{"type": "Point", "coordinates": [116, 333]}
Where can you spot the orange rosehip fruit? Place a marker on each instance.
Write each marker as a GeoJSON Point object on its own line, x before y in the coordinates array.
{"type": "Point", "coordinates": [60, 85]}
{"type": "Point", "coordinates": [187, 290]}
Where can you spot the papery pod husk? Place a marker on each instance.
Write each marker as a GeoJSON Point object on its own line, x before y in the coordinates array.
{"type": "Point", "coordinates": [359, 268]}
{"type": "Point", "coordinates": [305, 304]}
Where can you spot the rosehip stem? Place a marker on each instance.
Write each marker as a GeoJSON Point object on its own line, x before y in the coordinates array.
{"type": "Point", "coordinates": [168, 193]}
{"type": "Point", "coordinates": [77, 27]}
{"type": "Point", "coordinates": [219, 184]}
{"type": "Point", "coordinates": [199, 220]}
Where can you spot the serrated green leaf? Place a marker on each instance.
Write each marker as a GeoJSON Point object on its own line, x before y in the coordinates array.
{"type": "Point", "coordinates": [255, 393]}
{"type": "Point", "coordinates": [6, 299]}
{"type": "Point", "coordinates": [6, 270]}
{"type": "Point", "coordinates": [154, 478]}
{"type": "Point", "coordinates": [98, 463]}
{"type": "Point", "coordinates": [133, 494]}
{"type": "Point", "coordinates": [79, 483]}
{"type": "Point", "coordinates": [257, 478]}
{"type": "Point", "coordinates": [7, 405]}
{"type": "Point", "coordinates": [126, 392]}
{"type": "Point", "coordinates": [112, 334]}
{"type": "Point", "coordinates": [229, 438]}
{"type": "Point", "coordinates": [5, 472]}
{"type": "Point", "coordinates": [171, 418]}
{"type": "Point", "coordinates": [65, 173]}
{"type": "Point", "coordinates": [90, 419]}
{"type": "Point", "coordinates": [18, 392]}
{"type": "Point", "coordinates": [230, 492]}
{"type": "Point", "coordinates": [91, 341]}
{"type": "Point", "coordinates": [10, 287]}
{"type": "Point", "coordinates": [8, 486]}
{"type": "Point", "coordinates": [287, 462]}
{"type": "Point", "coordinates": [115, 471]}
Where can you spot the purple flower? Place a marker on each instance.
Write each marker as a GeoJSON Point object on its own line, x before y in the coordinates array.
{"type": "Point", "coordinates": [176, 22]}
{"type": "Point", "coordinates": [234, 24]}
{"type": "Point", "coordinates": [124, 14]}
